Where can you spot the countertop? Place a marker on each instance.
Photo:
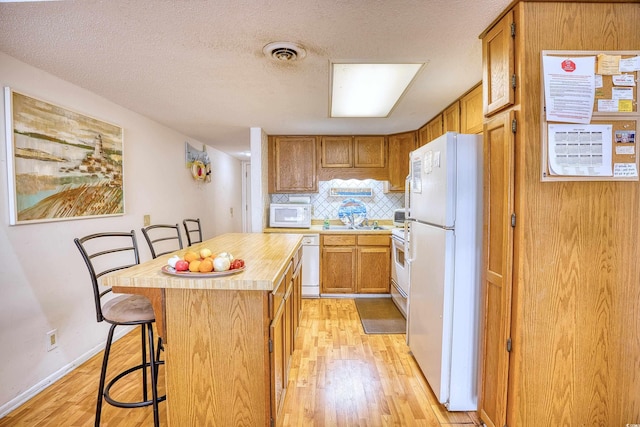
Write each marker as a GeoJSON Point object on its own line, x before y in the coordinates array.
{"type": "Point", "coordinates": [318, 229]}
{"type": "Point", "coordinates": [266, 258]}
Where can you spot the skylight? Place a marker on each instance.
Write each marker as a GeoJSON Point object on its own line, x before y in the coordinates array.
{"type": "Point", "coordinates": [369, 90]}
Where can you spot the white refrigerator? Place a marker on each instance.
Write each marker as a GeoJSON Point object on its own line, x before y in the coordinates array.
{"type": "Point", "coordinates": [444, 258]}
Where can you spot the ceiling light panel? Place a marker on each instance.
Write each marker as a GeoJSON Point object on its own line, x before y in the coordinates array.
{"type": "Point", "coordinates": [369, 90]}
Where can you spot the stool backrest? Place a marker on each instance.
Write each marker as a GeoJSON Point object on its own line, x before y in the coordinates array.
{"type": "Point", "coordinates": [105, 253]}
{"type": "Point", "coordinates": [162, 238]}
{"type": "Point", "coordinates": [192, 230]}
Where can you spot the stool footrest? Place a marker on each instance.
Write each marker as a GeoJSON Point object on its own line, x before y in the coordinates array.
{"type": "Point", "coordinates": [123, 374]}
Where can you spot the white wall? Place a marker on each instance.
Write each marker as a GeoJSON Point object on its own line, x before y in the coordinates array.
{"type": "Point", "coordinates": [43, 281]}
{"type": "Point", "coordinates": [259, 180]}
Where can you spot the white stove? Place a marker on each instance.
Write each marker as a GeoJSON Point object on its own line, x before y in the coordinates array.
{"type": "Point", "coordinates": [399, 270]}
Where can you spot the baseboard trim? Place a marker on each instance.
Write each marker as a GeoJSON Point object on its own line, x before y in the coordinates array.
{"type": "Point", "coordinates": [355, 295]}
{"type": "Point", "coordinates": [31, 392]}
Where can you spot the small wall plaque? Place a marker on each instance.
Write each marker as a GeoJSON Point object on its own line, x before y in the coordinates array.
{"type": "Point", "coordinates": [350, 192]}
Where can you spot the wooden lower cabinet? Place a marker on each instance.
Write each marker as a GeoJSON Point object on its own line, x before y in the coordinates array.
{"type": "Point", "coordinates": [354, 263]}
{"type": "Point", "coordinates": [277, 349]}
{"type": "Point", "coordinates": [282, 332]}
{"type": "Point", "coordinates": [338, 264]}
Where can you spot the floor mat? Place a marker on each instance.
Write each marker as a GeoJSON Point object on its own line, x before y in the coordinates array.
{"type": "Point", "coordinates": [380, 316]}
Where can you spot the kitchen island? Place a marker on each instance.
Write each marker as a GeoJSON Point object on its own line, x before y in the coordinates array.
{"type": "Point", "coordinates": [228, 340]}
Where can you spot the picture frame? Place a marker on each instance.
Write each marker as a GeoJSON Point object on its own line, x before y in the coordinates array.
{"type": "Point", "coordinates": [61, 164]}
{"type": "Point", "coordinates": [197, 161]}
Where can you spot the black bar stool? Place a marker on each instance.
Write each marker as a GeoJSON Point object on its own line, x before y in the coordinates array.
{"type": "Point", "coordinates": [105, 253]}
{"type": "Point", "coordinates": [191, 227]}
{"type": "Point", "coordinates": [162, 238]}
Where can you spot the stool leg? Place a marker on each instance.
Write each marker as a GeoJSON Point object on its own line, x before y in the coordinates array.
{"type": "Point", "coordinates": [158, 350]}
{"type": "Point", "coordinates": [144, 361]}
{"type": "Point", "coordinates": [154, 376]}
{"type": "Point", "coordinates": [103, 374]}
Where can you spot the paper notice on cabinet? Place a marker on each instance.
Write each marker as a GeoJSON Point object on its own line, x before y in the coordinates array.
{"type": "Point", "coordinates": [608, 64]}
{"type": "Point", "coordinates": [630, 64]}
{"type": "Point", "coordinates": [580, 150]}
{"type": "Point", "coordinates": [626, 170]}
{"type": "Point", "coordinates": [624, 80]}
{"type": "Point", "coordinates": [569, 88]}
{"type": "Point", "coordinates": [625, 149]}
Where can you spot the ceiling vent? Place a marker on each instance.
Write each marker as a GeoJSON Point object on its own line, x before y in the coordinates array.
{"type": "Point", "coordinates": [284, 51]}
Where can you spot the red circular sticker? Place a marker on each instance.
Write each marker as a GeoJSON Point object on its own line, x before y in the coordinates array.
{"type": "Point", "coordinates": [568, 65]}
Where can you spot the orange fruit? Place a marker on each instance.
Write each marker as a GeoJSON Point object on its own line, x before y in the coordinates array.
{"type": "Point", "coordinates": [206, 266]}
{"type": "Point", "coordinates": [191, 256]}
{"type": "Point", "coordinates": [194, 266]}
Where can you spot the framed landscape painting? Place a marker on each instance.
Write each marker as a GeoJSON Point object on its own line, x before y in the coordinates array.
{"type": "Point", "coordinates": [62, 165]}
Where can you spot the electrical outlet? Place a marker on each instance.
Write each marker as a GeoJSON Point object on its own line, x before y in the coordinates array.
{"type": "Point", "coordinates": [52, 339]}
{"type": "Point", "coordinates": [147, 220]}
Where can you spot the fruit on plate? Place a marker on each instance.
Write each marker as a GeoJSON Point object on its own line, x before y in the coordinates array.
{"type": "Point", "coordinates": [204, 261]}
{"type": "Point", "coordinates": [205, 253]}
{"type": "Point", "coordinates": [226, 255]}
{"type": "Point", "coordinates": [221, 263]}
{"type": "Point", "coordinates": [191, 256]}
{"type": "Point", "coordinates": [206, 266]}
{"type": "Point", "coordinates": [236, 263]}
{"type": "Point", "coordinates": [181, 265]}
{"type": "Point", "coordinates": [173, 261]}
{"type": "Point", "coordinates": [194, 266]}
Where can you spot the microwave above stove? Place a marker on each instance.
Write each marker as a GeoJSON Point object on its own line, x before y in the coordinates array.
{"type": "Point", "coordinates": [290, 215]}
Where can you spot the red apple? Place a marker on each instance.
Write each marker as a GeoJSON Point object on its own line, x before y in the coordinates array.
{"type": "Point", "coordinates": [182, 265]}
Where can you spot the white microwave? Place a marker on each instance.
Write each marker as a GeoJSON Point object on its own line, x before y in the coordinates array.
{"type": "Point", "coordinates": [290, 215]}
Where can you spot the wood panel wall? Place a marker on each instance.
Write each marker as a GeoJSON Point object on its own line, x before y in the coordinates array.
{"type": "Point", "coordinates": [576, 356]}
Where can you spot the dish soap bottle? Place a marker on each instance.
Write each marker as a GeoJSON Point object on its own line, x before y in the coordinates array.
{"type": "Point", "coordinates": [325, 225]}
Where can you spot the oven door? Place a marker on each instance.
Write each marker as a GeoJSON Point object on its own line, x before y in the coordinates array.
{"type": "Point", "coordinates": [399, 275]}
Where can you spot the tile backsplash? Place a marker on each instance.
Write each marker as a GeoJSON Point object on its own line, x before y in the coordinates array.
{"type": "Point", "coordinates": [379, 206]}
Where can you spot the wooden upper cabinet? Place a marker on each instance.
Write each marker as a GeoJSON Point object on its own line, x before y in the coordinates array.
{"type": "Point", "coordinates": [336, 152]}
{"type": "Point", "coordinates": [353, 157]}
{"type": "Point", "coordinates": [292, 164]}
{"type": "Point", "coordinates": [471, 115]}
{"type": "Point", "coordinates": [498, 66]}
{"type": "Point", "coordinates": [352, 151]}
{"type": "Point", "coordinates": [431, 130]}
{"type": "Point", "coordinates": [451, 118]}
{"type": "Point", "coordinates": [400, 145]}
{"type": "Point", "coordinates": [369, 151]}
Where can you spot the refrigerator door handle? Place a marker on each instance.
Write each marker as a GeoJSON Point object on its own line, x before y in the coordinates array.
{"type": "Point", "coordinates": [407, 195]}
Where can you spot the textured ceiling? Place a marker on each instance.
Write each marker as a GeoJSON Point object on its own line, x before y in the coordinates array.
{"type": "Point", "coordinates": [197, 65]}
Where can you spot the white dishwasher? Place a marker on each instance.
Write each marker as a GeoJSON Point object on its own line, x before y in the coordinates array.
{"type": "Point", "coordinates": [311, 266]}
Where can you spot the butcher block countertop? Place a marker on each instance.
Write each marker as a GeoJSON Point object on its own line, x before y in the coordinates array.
{"type": "Point", "coordinates": [266, 258]}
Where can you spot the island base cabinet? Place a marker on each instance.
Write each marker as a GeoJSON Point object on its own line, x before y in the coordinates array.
{"type": "Point", "coordinates": [217, 363]}
{"type": "Point", "coordinates": [278, 359]}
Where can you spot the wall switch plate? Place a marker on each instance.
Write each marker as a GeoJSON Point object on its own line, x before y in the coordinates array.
{"type": "Point", "coordinates": [147, 220]}
{"type": "Point", "coordinates": [52, 339]}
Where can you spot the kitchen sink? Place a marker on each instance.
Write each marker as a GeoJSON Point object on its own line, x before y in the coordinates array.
{"type": "Point", "coordinates": [359, 228]}
{"type": "Point", "coordinates": [340, 227]}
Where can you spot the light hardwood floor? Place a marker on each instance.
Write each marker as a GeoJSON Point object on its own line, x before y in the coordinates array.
{"type": "Point", "coordinates": [340, 376]}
